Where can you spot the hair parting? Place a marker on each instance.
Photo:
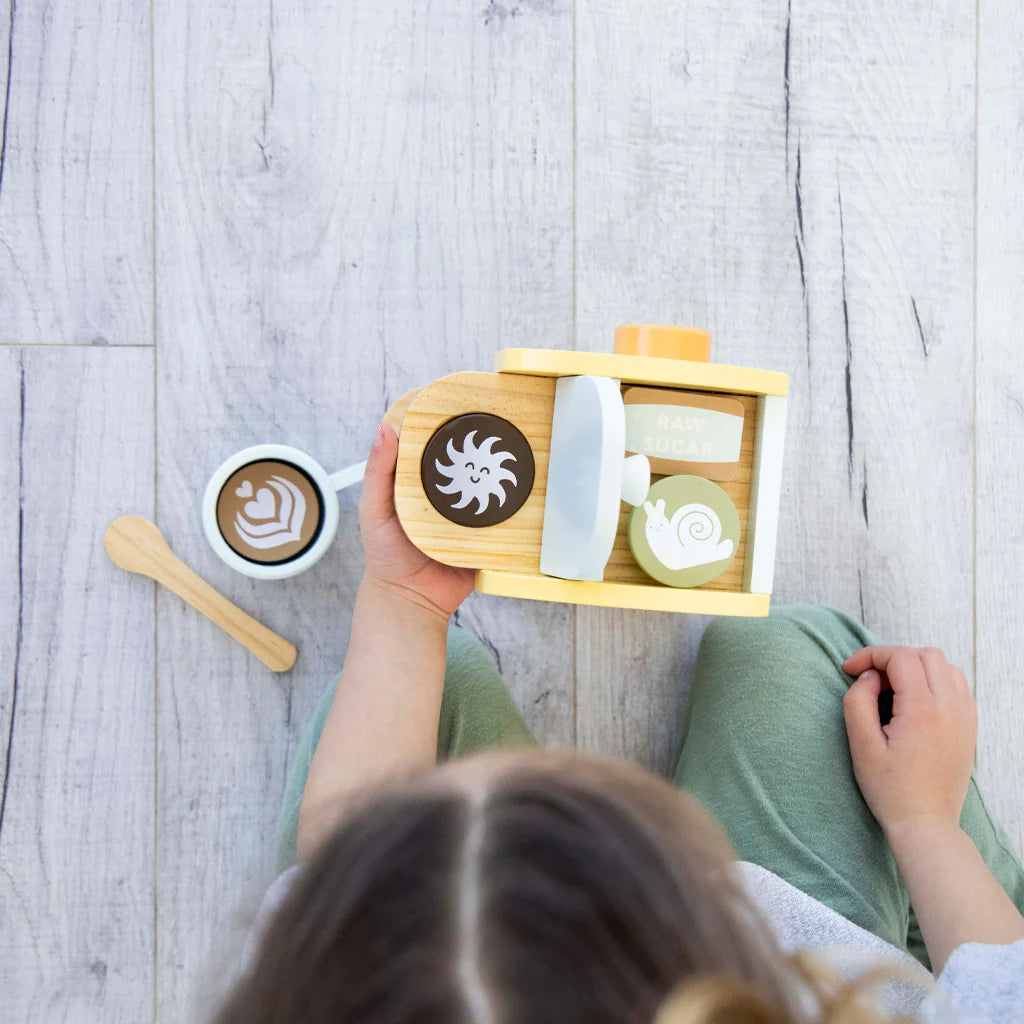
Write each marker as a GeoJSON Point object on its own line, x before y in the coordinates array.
{"type": "Point", "coordinates": [468, 971]}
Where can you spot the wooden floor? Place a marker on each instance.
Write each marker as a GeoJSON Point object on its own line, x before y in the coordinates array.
{"type": "Point", "coordinates": [226, 223]}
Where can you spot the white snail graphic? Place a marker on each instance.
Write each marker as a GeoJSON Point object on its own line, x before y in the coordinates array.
{"type": "Point", "coordinates": [693, 536]}
{"type": "Point", "coordinates": [266, 522]}
{"type": "Point", "coordinates": [476, 472]}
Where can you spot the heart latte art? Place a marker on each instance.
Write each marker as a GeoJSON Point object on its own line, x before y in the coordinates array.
{"type": "Point", "coordinates": [269, 511]}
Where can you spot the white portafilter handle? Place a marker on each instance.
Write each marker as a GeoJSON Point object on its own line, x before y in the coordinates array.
{"type": "Point", "coordinates": [584, 482]}
{"type": "Point", "coordinates": [636, 479]}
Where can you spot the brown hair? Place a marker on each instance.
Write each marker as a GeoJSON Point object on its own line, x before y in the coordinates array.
{"type": "Point", "coordinates": [539, 888]}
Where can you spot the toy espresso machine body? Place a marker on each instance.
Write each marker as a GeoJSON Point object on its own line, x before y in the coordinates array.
{"type": "Point", "coordinates": [647, 478]}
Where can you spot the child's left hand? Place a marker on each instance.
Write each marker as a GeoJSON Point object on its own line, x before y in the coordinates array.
{"type": "Point", "coordinates": [392, 560]}
{"type": "Point", "coordinates": [917, 767]}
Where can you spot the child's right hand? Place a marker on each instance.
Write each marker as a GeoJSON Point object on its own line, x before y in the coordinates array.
{"type": "Point", "coordinates": [393, 562]}
{"type": "Point", "coordinates": [915, 770]}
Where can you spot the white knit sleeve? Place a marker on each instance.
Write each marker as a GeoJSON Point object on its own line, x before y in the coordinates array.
{"type": "Point", "coordinates": [984, 983]}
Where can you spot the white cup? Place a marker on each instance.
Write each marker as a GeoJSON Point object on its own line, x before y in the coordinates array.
{"type": "Point", "coordinates": [325, 484]}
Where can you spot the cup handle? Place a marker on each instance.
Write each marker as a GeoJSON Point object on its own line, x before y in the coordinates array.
{"type": "Point", "coordinates": [348, 476]}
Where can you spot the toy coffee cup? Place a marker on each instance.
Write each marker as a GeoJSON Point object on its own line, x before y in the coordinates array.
{"type": "Point", "coordinates": [271, 511]}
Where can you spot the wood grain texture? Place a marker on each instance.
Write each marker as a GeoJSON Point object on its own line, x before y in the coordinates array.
{"type": "Point", "coordinates": [355, 199]}
{"type": "Point", "coordinates": [76, 832]}
{"type": "Point", "coordinates": [352, 200]}
{"type": "Point", "coordinates": [1000, 412]}
{"type": "Point", "coordinates": [786, 180]}
{"type": "Point", "coordinates": [76, 200]}
{"type": "Point", "coordinates": [526, 402]}
{"type": "Point", "coordinates": [874, 309]}
{"type": "Point", "coordinates": [12, 596]}
{"type": "Point", "coordinates": [665, 235]}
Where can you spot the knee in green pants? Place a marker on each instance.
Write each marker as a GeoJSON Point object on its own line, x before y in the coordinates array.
{"type": "Point", "coordinates": [477, 713]}
{"type": "Point", "coordinates": [765, 750]}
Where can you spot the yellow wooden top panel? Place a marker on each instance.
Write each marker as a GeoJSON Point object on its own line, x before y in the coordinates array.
{"type": "Point", "coordinates": [651, 597]}
{"type": "Point", "coordinates": [678, 373]}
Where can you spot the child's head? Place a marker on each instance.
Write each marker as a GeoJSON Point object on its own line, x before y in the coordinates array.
{"type": "Point", "coordinates": [516, 888]}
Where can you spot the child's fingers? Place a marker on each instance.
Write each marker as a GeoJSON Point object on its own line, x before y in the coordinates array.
{"type": "Point", "coordinates": [860, 710]}
{"type": "Point", "coordinates": [860, 662]}
{"type": "Point", "coordinates": [902, 666]}
{"type": "Point", "coordinates": [377, 503]}
{"type": "Point", "coordinates": [960, 680]}
{"type": "Point", "coordinates": [938, 671]}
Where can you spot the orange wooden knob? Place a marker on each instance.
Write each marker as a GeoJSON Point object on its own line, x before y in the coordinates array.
{"type": "Point", "coordinates": [663, 342]}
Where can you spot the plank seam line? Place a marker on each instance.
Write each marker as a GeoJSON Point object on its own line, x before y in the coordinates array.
{"type": "Point", "coordinates": [846, 335]}
{"type": "Point", "coordinates": [155, 879]}
{"type": "Point", "coordinates": [975, 365]}
{"type": "Point", "coordinates": [19, 629]}
{"type": "Point", "coordinates": [7, 93]}
{"type": "Point", "coordinates": [56, 345]}
{"type": "Point", "coordinates": [575, 273]}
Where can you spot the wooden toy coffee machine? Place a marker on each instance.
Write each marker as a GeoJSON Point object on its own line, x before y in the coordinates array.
{"type": "Point", "coordinates": [649, 478]}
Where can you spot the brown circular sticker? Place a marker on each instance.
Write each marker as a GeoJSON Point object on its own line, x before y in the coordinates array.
{"type": "Point", "coordinates": [269, 511]}
{"type": "Point", "coordinates": [477, 470]}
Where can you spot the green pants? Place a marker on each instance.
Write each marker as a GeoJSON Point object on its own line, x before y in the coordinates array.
{"type": "Point", "coordinates": [764, 750]}
{"type": "Point", "coordinates": [477, 713]}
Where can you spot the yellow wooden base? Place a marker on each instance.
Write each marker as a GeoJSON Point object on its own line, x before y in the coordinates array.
{"type": "Point", "coordinates": [621, 595]}
{"type": "Point", "coordinates": [679, 373]}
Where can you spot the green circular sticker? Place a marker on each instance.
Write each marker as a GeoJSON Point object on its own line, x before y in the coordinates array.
{"type": "Point", "coordinates": [686, 532]}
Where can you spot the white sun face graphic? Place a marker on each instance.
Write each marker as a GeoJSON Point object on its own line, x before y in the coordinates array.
{"type": "Point", "coordinates": [476, 472]}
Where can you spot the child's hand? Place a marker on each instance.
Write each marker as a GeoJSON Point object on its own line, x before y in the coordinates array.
{"type": "Point", "coordinates": [916, 769]}
{"type": "Point", "coordinates": [392, 560]}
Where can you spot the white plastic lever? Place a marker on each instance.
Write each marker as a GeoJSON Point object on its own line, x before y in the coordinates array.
{"type": "Point", "coordinates": [636, 479]}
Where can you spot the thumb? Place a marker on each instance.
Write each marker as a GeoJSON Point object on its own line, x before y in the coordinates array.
{"type": "Point", "coordinates": [860, 709]}
{"type": "Point", "coordinates": [377, 504]}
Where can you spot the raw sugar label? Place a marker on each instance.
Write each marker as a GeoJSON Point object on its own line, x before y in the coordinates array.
{"type": "Point", "coordinates": [680, 432]}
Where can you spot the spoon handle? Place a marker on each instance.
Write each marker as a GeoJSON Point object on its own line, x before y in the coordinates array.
{"type": "Point", "coordinates": [274, 651]}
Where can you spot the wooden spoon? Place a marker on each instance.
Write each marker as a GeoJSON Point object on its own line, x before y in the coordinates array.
{"type": "Point", "coordinates": [137, 545]}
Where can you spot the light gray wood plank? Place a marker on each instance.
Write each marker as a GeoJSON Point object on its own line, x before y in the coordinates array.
{"type": "Point", "coordinates": [658, 89]}
{"type": "Point", "coordinates": [76, 262]}
{"type": "Point", "coordinates": [882, 159]}
{"type": "Point", "coordinates": [11, 526]}
{"type": "Point", "coordinates": [1000, 405]}
{"type": "Point", "coordinates": [763, 178]}
{"type": "Point", "coordinates": [76, 836]}
{"type": "Point", "coordinates": [352, 200]}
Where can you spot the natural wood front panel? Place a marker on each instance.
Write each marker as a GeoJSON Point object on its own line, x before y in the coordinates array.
{"type": "Point", "coordinates": [513, 545]}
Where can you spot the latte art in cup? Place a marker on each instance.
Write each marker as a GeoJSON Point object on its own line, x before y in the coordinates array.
{"type": "Point", "coordinates": [269, 511]}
